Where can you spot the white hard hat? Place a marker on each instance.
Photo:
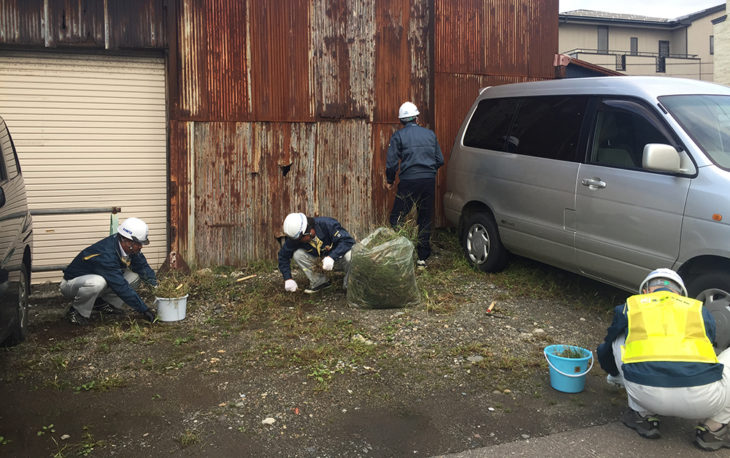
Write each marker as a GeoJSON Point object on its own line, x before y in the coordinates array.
{"type": "Point", "coordinates": [134, 229]}
{"type": "Point", "coordinates": [666, 274]}
{"type": "Point", "coordinates": [295, 224]}
{"type": "Point", "coordinates": [407, 110]}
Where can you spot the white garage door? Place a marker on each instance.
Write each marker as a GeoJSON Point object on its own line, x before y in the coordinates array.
{"type": "Point", "coordinates": [90, 131]}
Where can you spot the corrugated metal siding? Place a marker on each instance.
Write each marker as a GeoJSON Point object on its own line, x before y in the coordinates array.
{"type": "Point", "coordinates": [90, 132]}
{"type": "Point", "coordinates": [402, 58]}
{"type": "Point", "coordinates": [343, 184]}
{"type": "Point", "coordinates": [342, 51]}
{"type": "Point", "coordinates": [382, 199]}
{"type": "Point", "coordinates": [241, 194]}
{"type": "Point", "coordinates": [496, 37]}
{"type": "Point", "coordinates": [21, 22]}
{"type": "Point", "coordinates": [137, 24]}
{"type": "Point", "coordinates": [280, 60]}
{"type": "Point", "coordinates": [299, 83]}
{"type": "Point", "coordinates": [211, 61]}
{"type": "Point", "coordinates": [131, 24]}
{"type": "Point", "coordinates": [485, 43]}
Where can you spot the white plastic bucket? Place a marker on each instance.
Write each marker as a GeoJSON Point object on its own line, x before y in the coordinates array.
{"type": "Point", "coordinates": [171, 308]}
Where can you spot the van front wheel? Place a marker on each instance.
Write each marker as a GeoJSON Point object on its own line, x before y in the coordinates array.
{"type": "Point", "coordinates": [482, 246]}
{"type": "Point", "coordinates": [713, 289]}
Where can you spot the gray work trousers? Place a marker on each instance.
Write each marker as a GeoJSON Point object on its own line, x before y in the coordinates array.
{"type": "Point", "coordinates": [85, 289]}
{"type": "Point", "coordinates": [710, 401]}
{"type": "Point", "coordinates": [307, 261]}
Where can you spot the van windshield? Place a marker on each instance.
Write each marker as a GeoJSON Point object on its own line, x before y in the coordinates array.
{"type": "Point", "coordinates": [706, 118]}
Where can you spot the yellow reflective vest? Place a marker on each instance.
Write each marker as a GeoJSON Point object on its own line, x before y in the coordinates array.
{"type": "Point", "coordinates": [664, 326]}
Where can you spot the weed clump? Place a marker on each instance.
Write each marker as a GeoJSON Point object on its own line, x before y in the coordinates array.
{"type": "Point", "coordinates": [569, 351]}
{"type": "Point", "coordinates": [172, 284]}
{"type": "Point", "coordinates": [382, 273]}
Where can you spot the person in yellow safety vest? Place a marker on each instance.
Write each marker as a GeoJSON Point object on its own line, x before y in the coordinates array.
{"type": "Point", "coordinates": [660, 348]}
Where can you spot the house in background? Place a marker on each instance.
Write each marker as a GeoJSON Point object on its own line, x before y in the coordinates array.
{"type": "Point", "coordinates": [722, 49]}
{"type": "Point", "coordinates": [640, 45]}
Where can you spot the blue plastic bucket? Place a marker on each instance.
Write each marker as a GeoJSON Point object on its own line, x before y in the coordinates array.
{"type": "Point", "coordinates": [568, 374]}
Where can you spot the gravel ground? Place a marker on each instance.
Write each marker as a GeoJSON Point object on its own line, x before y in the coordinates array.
{"type": "Point", "coordinates": [252, 371]}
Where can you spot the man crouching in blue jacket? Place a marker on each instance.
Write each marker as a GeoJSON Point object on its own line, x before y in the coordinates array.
{"type": "Point", "coordinates": [659, 346]}
{"type": "Point", "coordinates": [111, 270]}
{"type": "Point", "coordinates": [308, 240]}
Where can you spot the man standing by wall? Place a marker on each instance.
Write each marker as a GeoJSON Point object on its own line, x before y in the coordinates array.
{"type": "Point", "coordinates": [415, 151]}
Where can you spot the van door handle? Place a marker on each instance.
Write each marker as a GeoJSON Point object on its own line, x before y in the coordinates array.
{"type": "Point", "coordinates": [593, 183]}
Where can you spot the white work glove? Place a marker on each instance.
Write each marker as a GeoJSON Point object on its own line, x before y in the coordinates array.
{"type": "Point", "coordinates": [290, 285]}
{"type": "Point", "coordinates": [328, 263]}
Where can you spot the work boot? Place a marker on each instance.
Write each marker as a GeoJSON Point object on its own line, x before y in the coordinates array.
{"type": "Point", "coordinates": [319, 288]}
{"type": "Point", "coordinates": [646, 426]}
{"type": "Point", "coordinates": [712, 440]}
{"type": "Point", "coordinates": [106, 308]}
{"type": "Point", "coordinates": [74, 317]}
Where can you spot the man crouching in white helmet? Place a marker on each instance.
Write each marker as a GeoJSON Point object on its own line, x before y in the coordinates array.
{"type": "Point", "coordinates": [110, 271]}
{"type": "Point", "coordinates": [307, 241]}
{"type": "Point", "coordinates": [659, 346]}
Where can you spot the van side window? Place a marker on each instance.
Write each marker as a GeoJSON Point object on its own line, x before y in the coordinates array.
{"type": "Point", "coordinates": [620, 135]}
{"type": "Point", "coordinates": [490, 123]}
{"type": "Point", "coordinates": [548, 127]}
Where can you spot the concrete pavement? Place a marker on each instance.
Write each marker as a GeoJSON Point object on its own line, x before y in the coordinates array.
{"type": "Point", "coordinates": [610, 440]}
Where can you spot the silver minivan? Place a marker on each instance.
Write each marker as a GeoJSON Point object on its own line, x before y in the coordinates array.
{"type": "Point", "coordinates": [608, 177]}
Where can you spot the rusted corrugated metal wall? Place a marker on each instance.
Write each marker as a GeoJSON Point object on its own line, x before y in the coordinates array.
{"type": "Point", "coordinates": [290, 110]}
{"type": "Point", "coordinates": [288, 105]}
{"type": "Point", "coordinates": [132, 24]}
{"type": "Point", "coordinates": [486, 43]}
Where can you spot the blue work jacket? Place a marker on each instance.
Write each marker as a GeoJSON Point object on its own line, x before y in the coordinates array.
{"type": "Point", "coordinates": [417, 151]}
{"type": "Point", "coordinates": [104, 258]}
{"type": "Point", "coordinates": [331, 239]}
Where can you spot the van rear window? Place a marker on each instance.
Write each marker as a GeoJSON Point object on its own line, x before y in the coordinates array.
{"type": "Point", "coordinates": [544, 126]}
{"type": "Point", "coordinates": [490, 124]}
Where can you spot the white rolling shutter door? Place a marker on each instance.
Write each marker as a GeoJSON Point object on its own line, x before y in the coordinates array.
{"type": "Point", "coordinates": [90, 131]}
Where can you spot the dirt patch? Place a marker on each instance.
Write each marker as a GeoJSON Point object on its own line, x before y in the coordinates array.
{"type": "Point", "coordinates": [254, 371]}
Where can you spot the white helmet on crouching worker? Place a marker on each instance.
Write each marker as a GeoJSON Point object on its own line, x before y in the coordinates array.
{"type": "Point", "coordinates": [408, 112]}
{"type": "Point", "coordinates": [295, 224]}
{"type": "Point", "coordinates": [665, 278]}
{"type": "Point", "coordinates": [134, 229]}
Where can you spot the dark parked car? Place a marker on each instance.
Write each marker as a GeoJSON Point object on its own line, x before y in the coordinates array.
{"type": "Point", "coordinates": [16, 244]}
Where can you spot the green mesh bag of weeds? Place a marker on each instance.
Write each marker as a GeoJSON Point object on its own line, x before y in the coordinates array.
{"type": "Point", "coordinates": [381, 272]}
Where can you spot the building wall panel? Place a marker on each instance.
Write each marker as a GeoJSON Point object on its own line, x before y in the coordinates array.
{"type": "Point", "coordinates": [381, 198]}
{"type": "Point", "coordinates": [343, 165]}
{"type": "Point", "coordinates": [137, 24]}
{"type": "Point", "coordinates": [21, 22]}
{"type": "Point", "coordinates": [496, 37]}
{"type": "Point", "coordinates": [342, 52]}
{"type": "Point", "coordinates": [402, 58]}
{"type": "Point", "coordinates": [211, 62]}
{"type": "Point", "coordinates": [280, 60]}
{"type": "Point", "coordinates": [241, 193]}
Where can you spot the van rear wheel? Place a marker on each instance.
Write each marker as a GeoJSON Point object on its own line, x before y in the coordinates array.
{"type": "Point", "coordinates": [482, 246]}
{"type": "Point", "coordinates": [713, 289]}
{"type": "Point", "coordinates": [20, 328]}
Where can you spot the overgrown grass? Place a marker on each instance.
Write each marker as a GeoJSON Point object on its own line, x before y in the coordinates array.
{"type": "Point", "coordinates": [267, 327]}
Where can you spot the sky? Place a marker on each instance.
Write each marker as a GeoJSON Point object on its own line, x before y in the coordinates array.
{"type": "Point", "coordinates": [653, 8]}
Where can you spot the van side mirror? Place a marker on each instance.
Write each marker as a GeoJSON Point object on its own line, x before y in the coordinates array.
{"type": "Point", "coordinates": [661, 157]}
{"type": "Point", "coordinates": [2, 197]}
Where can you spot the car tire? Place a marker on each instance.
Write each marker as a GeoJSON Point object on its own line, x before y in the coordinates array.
{"type": "Point", "coordinates": [483, 248]}
{"type": "Point", "coordinates": [20, 328]}
{"type": "Point", "coordinates": [713, 289]}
